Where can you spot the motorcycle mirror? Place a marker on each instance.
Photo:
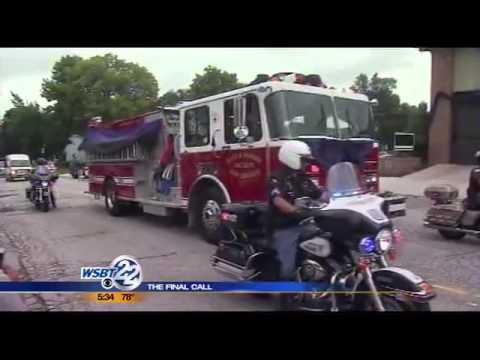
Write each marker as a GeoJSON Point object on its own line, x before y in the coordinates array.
{"type": "Point", "coordinates": [240, 132]}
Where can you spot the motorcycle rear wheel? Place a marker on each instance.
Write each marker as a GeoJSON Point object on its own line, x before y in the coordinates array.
{"type": "Point", "coordinates": [45, 205]}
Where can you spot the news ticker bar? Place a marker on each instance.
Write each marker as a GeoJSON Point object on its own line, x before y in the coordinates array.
{"type": "Point", "coordinates": [170, 286]}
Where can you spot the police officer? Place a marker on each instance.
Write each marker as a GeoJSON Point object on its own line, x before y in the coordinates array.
{"type": "Point", "coordinates": [284, 187]}
{"type": "Point", "coordinates": [473, 191]}
{"type": "Point", "coordinates": [40, 171]}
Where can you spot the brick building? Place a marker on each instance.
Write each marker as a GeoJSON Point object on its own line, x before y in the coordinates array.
{"type": "Point", "coordinates": [454, 134]}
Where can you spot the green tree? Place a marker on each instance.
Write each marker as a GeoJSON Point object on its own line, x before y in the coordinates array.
{"type": "Point", "coordinates": [172, 97]}
{"type": "Point", "coordinates": [389, 114]}
{"type": "Point", "coordinates": [361, 84]}
{"type": "Point", "coordinates": [418, 124]}
{"type": "Point", "coordinates": [103, 86]}
{"type": "Point", "coordinates": [25, 127]}
{"type": "Point", "coordinates": [213, 81]}
{"type": "Point", "coordinates": [379, 88]}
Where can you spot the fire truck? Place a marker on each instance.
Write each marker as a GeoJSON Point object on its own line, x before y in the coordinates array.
{"type": "Point", "coordinates": [199, 154]}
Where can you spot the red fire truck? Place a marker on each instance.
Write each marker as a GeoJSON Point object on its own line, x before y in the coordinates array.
{"type": "Point", "coordinates": [199, 154]}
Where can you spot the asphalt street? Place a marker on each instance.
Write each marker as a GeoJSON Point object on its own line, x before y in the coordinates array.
{"type": "Point", "coordinates": [55, 245]}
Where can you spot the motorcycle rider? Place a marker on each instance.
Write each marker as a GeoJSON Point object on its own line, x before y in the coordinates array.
{"type": "Point", "coordinates": [41, 168]}
{"type": "Point", "coordinates": [283, 216]}
{"type": "Point", "coordinates": [41, 171]}
{"type": "Point", "coordinates": [473, 191]}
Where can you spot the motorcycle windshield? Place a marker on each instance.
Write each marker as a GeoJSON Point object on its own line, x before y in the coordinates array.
{"type": "Point", "coordinates": [343, 180]}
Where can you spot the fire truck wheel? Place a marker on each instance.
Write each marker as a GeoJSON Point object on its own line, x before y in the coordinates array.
{"type": "Point", "coordinates": [112, 205]}
{"type": "Point", "coordinates": [209, 210]}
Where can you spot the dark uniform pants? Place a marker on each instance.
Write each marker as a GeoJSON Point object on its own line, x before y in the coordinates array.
{"type": "Point", "coordinates": [285, 243]}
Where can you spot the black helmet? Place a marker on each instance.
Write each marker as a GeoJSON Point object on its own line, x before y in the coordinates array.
{"type": "Point", "coordinates": [41, 161]}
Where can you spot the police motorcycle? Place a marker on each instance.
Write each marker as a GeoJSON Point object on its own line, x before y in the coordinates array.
{"type": "Point", "coordinates": [41, 192]}
{"type": "Point", "coordinates": [343, 244]}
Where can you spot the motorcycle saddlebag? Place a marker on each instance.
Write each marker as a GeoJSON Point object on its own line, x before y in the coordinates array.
{"type": "Point", "coordinates": [445, 215]}
{"type": "Point", "coordinates": [233, 252]}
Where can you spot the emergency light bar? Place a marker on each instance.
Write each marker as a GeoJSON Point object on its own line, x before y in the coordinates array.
{"type": "Point", "coordinates": [291, 77]}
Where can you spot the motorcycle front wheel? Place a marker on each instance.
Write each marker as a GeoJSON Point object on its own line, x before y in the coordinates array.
{"type": "Point", "coordinates": [46, 205]}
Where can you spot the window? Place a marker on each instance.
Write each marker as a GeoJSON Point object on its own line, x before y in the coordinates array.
{"type": "Point", "coordinates": [229, 121]}
{"type": "Point", "coordinates": [291, 114]}
{"type": "Point", "coordinates": [197, 127]}
{"type": "Point", "coordinates": [252, 119]}
{"type": "Point", "coordinates": [19, 163]}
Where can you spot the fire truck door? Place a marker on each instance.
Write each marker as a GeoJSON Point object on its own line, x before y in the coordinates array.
{"type": "Point", "coordinates": [244, 158]}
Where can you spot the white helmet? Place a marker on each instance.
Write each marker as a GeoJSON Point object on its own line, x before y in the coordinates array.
{"type": "Point", "coordinates": [291, 153]}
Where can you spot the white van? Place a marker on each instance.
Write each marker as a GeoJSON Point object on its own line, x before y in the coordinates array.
{"type": "Point", "coordinates": [18, 166]}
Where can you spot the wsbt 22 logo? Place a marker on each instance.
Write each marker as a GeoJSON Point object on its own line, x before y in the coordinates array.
{"type": "Point", "coordinates": [125, 273]}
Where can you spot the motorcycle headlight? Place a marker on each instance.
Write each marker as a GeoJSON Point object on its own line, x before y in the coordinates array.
{"type": "Point", "coordinates": [12, 172]}
{"type": "Point", "coordinates": [367, 245]}
{"type": "Point", "coordinates": [384, 241]}
{"type": "Point", "coordinates": [44, 183]}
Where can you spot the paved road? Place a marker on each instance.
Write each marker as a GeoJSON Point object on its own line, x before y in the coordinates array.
{"type": "Point", "coordinates": [54, 245]}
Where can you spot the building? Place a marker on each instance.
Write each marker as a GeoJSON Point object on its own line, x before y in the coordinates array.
{"type": "Point", "coordinates": [454, 134]}
{"type": "Point", "coordinates": [72, 149]}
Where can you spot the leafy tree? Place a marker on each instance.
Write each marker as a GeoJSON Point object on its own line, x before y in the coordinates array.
{"type": "Point", "coordinates": [103, 86]}
{"type": "Point", "coordinates": [24, 127]}
{"type": "Point", "coordinates": [379, 88]}
{"type": "Point", "coordinates": [418, 124]}
{"type": "Point", "coordinates": [171, 98]}
{"type": "Point", "coordinates": [389, 113]}
{"type": "Point", "coordinates": [361, 84]}
{"type": "Point", "coordinates": [213, 81]}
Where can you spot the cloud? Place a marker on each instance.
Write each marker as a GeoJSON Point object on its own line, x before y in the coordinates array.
{"type": "Point", "coordinates": [22, 70]}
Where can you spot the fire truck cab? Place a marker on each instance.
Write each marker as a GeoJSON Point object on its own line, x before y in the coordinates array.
{"type": "Point", "coordinates": [200, 154]}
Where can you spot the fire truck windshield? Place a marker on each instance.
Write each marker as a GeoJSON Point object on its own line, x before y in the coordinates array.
{"type": "Point", "coordinates": [355, 118]}
{"type": "Point", "coordinates": [291, 114]}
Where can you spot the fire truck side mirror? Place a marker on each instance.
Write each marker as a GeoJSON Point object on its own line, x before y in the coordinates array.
{"type": "Point", "coordinates": [240, 132]}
